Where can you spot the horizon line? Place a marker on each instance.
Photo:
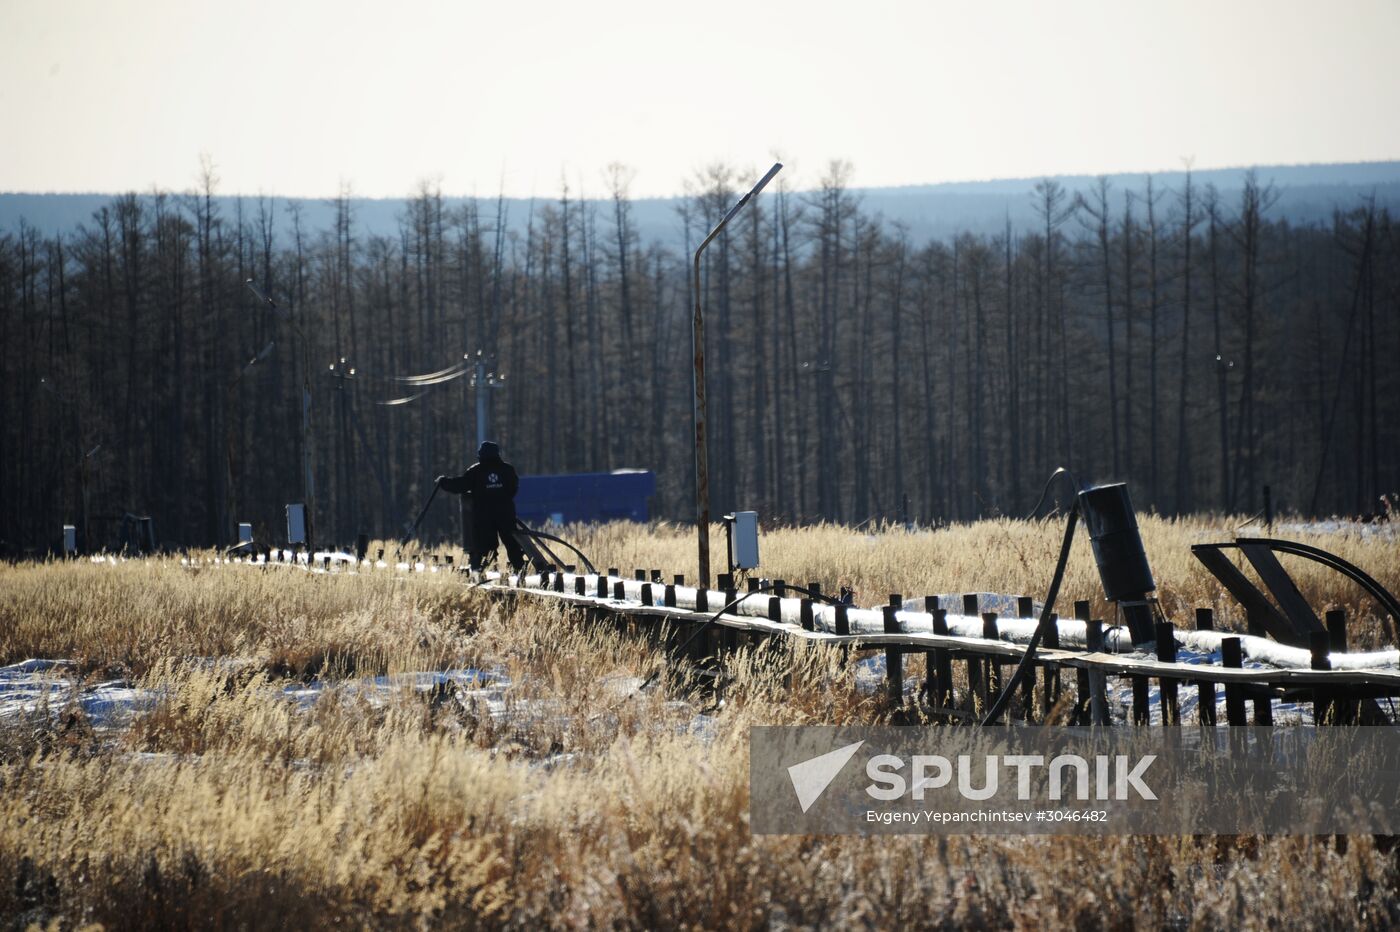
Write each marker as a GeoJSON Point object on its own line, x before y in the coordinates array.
{"type": "Point", "coordinates": [156, 189]}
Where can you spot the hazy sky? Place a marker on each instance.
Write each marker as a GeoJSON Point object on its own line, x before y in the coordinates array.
{"type": "Point", "coordinates": [292, 98]}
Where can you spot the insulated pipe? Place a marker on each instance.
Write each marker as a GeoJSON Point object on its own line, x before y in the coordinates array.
{"type": "Point", "coordinates": [702, 458]}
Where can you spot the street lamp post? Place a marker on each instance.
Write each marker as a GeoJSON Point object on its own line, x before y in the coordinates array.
{"type": "Point", "coordinates": [308, 488]}
{"type": "Point", "coordinates": [702, 458]}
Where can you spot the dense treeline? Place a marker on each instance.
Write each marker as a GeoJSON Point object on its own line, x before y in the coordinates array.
{"type": "Point", "coordinates": [1187, 342]}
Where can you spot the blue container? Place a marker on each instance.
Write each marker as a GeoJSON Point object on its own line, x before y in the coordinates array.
{"type": "Point", "coordinates": [621, 495]}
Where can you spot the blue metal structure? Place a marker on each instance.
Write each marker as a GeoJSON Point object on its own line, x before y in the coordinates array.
{"type": "Point", "coordinates": [620, 495]}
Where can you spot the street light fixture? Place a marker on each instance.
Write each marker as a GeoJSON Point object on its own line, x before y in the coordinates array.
{"type": "Point", "coordinates": [702, 458]}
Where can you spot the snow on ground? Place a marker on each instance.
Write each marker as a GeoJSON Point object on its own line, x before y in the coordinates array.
{"type": "Point", "coordinates": [50, 687]}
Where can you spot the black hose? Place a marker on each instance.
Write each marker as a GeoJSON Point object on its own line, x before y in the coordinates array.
{"type": "Point", "coordinates": [1062, 471]}
{"type": "Point", "coordinates": [541, 535]}
{"type": "Point", "coordinates": [763, 587]}
{"type": "Point", "coordinates": [1044, 625]}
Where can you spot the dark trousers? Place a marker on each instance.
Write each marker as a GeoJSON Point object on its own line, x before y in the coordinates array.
{"type": "Point", "coordinates": [486, 533]}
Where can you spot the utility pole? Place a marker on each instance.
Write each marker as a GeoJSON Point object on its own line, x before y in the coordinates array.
{"type": "Point", "coordinates": [702, 458]}
{"type": "Point", "coordinates": [483, 381]}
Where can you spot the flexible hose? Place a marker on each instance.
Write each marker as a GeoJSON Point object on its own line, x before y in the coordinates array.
{"type": "Point", "coordinates": [541, 535]}
{"type": "Point", "coordinates": [1061, 471]}
{"type": "Point", "coordinates": [1044, 625]}
{"type": "Point", "coordinates": [763, 587]}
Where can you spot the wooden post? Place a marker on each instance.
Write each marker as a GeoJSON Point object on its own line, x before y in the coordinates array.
{"type": "Point", "coordinates": [775, 608]}
{"type": "Point", "coordinates": [1324, 712]}
{"type": "Point", "coordinates": [780, 588]}
{"type": "Point", "coordinates": [1166, 652]}
{"type": "Point", "coordinates": [619, 591]}
{"type": "Point", "coordinates": [1028, 693]}
{"type": "Point", "coordinates": [730, 636]}
{"type": "Point", "coordinates": [1025, 606]}
{"type": "Point", "coordinates": [843, 626]}
{"type": "Point", "coordinates": [896, 601]}
{"type": "Point", "coordinates": [970, 605]}
{"type": "Point", "coordinates": [942, 671]}
{"type": "Point", "coordinates": [1205, 708]}
{"type": "Point", "coordinates": [669, 595]}
{"type": "Point", "coordinates": [1050, 693]}
{"type": "Point", "coordinates": [804, 614]}
{"type": "Point", "coordinates": [1337, 631]}
{"type": "Point", "coordinates": [931, 608]}
{"type": "Point", "coordinates": [678, 579]}
{"type": "Point", "coordinates": [558, 581]}
{"type": "Point", "coordinates": [614, 571]}
{"type": "Point", "coordinates": [1232, 657]}
{"type": "Point", "coordinates": [602, 587]}
{"type": "Point", "coordinates": [815, 588]}
{"type": "Point", "coordinates": [646, 594]}
{"type": "Point", "coordinates": [1098, 697]}
{"type": "Point", "coordinates": [641, 575]}
{"type": "Point", "coordinates": [1141, 694]}
{"type": "Point", "coordinates": [894, 665]}
{"type": "Point", "coordinates": [580, 585]}
{"type": "Point", "coordinates": [1264, 711]}
{"type": "Point", "coordinates": [1083, 687]}
{"type": "Point", "coordinates": [753, 584]}
{"type": "Point", "coordinates": [990, 632]}
{"type": "Point", "coordinates": [1345, 711]}
{"type": "Point", "coordinates": [702, 599]}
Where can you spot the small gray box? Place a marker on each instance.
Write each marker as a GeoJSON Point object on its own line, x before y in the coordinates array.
{"type": "Point", "coordinates": [745, 539]}
{"type": "Point", "coordinates": [296, 523]}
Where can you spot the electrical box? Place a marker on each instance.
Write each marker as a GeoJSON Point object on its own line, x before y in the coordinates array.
{"type": "Point", "coordinates": [70, 539]}
{"type": "Point", "coordinates": [245, 533]}
{"type": "Point", "coordinates": [296, 523]}
{"type": "Point", "coordinates": [745, 540]}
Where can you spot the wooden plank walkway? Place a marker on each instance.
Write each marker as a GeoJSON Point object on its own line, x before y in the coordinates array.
{"type": "Point", "coordinates": [1114, 664]}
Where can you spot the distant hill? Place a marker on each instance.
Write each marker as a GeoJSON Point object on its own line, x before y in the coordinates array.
{"type": "Point", "coordinates": [1307, 194]}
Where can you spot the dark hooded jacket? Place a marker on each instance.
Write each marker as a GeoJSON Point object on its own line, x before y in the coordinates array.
{"type": "Point", "coordinates": [492, 484]}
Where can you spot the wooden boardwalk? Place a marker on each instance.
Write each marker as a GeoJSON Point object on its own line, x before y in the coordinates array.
{"type": "Point", "coordinates": [1336, 696]}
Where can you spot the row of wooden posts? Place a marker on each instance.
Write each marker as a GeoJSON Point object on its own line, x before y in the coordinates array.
{"type": "Point", "coordinates": [984, 672]}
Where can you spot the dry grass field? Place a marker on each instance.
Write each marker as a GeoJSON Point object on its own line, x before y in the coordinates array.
{"type": "Point", "coordinates": [286, 772]}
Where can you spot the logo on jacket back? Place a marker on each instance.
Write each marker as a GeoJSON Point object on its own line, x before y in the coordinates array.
{"type": "Point", "coordinates": [493, 481]}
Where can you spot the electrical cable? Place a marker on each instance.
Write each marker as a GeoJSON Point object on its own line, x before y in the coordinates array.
{"type": "Point", "coordinates": [1061, 471]}
{"type": "Point", "coordinates": [762, 587]}
{"type": "Point", "coordinates": [1044, 625]}
{"type": "Point", "coordinates": [541, 535]}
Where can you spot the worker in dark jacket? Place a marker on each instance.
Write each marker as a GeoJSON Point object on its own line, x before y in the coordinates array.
{"type": "Point", "coordinates": [491, 483]}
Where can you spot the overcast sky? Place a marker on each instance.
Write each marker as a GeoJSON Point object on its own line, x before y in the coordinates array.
{"type": "Point", "coordinates": [294, 97]}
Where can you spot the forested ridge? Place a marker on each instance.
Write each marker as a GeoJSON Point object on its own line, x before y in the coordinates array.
{"type": "Point", "coordinates": [1188, 342]}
